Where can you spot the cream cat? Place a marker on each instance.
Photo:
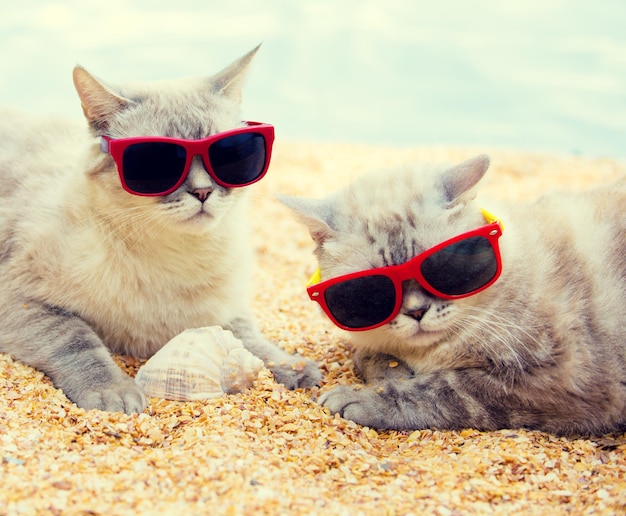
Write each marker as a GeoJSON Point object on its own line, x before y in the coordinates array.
{"type": "Point", "coordinates": [460, 336]}
{"type": "Point", "coordinates": [95, 256]}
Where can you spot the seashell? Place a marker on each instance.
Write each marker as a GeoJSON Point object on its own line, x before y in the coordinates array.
{"type": "Point", "coordinates": [198, 364]}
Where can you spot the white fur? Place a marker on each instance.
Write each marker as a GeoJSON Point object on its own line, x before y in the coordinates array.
{"type": "Point", "coordinates": [83, 262]}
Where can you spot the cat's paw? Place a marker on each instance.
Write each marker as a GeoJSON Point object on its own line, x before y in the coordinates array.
{"type": "Point", "coordinates": [361, 404]}
{"type": "Point", "coordinates": [296, 371]}
{"type": "Point", "coordinates": [123, 396]}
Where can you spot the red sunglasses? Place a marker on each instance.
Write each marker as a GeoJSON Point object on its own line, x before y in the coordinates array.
{"type": "Point", "coordinates": [459, 267]}
{"type": "Point", "coordinates": [158, 165]}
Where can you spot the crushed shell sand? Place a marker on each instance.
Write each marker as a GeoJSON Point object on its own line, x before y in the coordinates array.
{"type": "Point", "coordinates": [273, 451]}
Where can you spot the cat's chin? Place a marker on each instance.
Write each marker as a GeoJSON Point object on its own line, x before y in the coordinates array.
{"type": "Point", "coordinates": [201, 217]}
{"type": "Point", "coordinates": [192, 214]}
{"type": "Point", "coordinates": [208, 214]}
{"type": "Point", "coordinates": [422, 339]}
{"type": "Point", "coordinates": [406, 336]}
{"type": "Point", "coordinates": [199, 222]}
{"type": "Point", "coordinates": [417, 334]}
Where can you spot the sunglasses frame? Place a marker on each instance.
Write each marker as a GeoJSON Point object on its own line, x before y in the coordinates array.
{"type": "Point", "coordinates": [408, 271]}
{"type": "Point", "coordinates": [116, 147]}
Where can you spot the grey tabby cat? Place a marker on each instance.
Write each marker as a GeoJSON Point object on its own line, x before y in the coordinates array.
{"type": "Point", "coordinates": [441, 340]}
{"type": "Point", "coordinates": [86, 265]}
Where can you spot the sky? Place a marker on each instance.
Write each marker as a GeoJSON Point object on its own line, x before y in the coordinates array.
{"type": "Point", "coordinates": [538, 75]}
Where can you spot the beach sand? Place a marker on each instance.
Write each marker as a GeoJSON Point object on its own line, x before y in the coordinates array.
{"type": "Point", "coordinates": [274, 451]}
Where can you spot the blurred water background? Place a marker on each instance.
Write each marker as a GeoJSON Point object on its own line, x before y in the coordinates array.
{"type": "Point", "coordinates": [539, 75]}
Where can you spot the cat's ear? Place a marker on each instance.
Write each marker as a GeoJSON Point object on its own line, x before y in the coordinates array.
{"type": "Point", "coordinates": [461, 178]}
{"type": "Point", "coordinates": [98, 102]}
{"type": "Point", "coordinates": [229, 81]}
{"type": "Point", "coordinates": [317, 215]}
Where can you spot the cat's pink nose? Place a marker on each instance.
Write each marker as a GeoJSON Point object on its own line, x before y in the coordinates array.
{"type": "Point", "coordinates": [418, 313]}
{"type": "Point", "coordinates": [202, 193]}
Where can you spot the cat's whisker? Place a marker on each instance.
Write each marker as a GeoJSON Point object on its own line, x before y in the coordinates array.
{"type": "Point", "coordinates": [498, 331]}
{"type": "Point", "coordinates": [519, 330]}
{"type": "Point", "coordinates": [125, 225]}
{"type": "Point", "coordinates": [507, 334]}
{"type": "Point", "coordinates": [514, 366]}
{"type": "Point", "coordinates": [494, 327]}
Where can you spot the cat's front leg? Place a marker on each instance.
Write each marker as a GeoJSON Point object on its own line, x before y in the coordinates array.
{"type": "Point", "coordinates": [411, 404]}
{"type": "Point", "coordinates": [291, 370]}
{"type": "Point", "coordinates": [70, 353]}
{"type": "Point", "coordinates": [375, 367]}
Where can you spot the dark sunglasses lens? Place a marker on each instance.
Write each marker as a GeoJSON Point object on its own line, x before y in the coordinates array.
{"type": "Point", "coordinates": [361, 302]}
{"type": "Point", "coordinates": [238, 160]}
{"type": "Point", "coordinates": [462, 267]}
{"type": "Point", "coordinates": [153, 167]}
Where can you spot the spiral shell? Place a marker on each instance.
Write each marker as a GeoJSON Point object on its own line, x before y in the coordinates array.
{"type": "Point", "coordinates": [197, 364]}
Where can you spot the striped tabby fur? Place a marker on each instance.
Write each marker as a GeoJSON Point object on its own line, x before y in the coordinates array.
{"type": "Point", "coordinates": [543, 348]}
